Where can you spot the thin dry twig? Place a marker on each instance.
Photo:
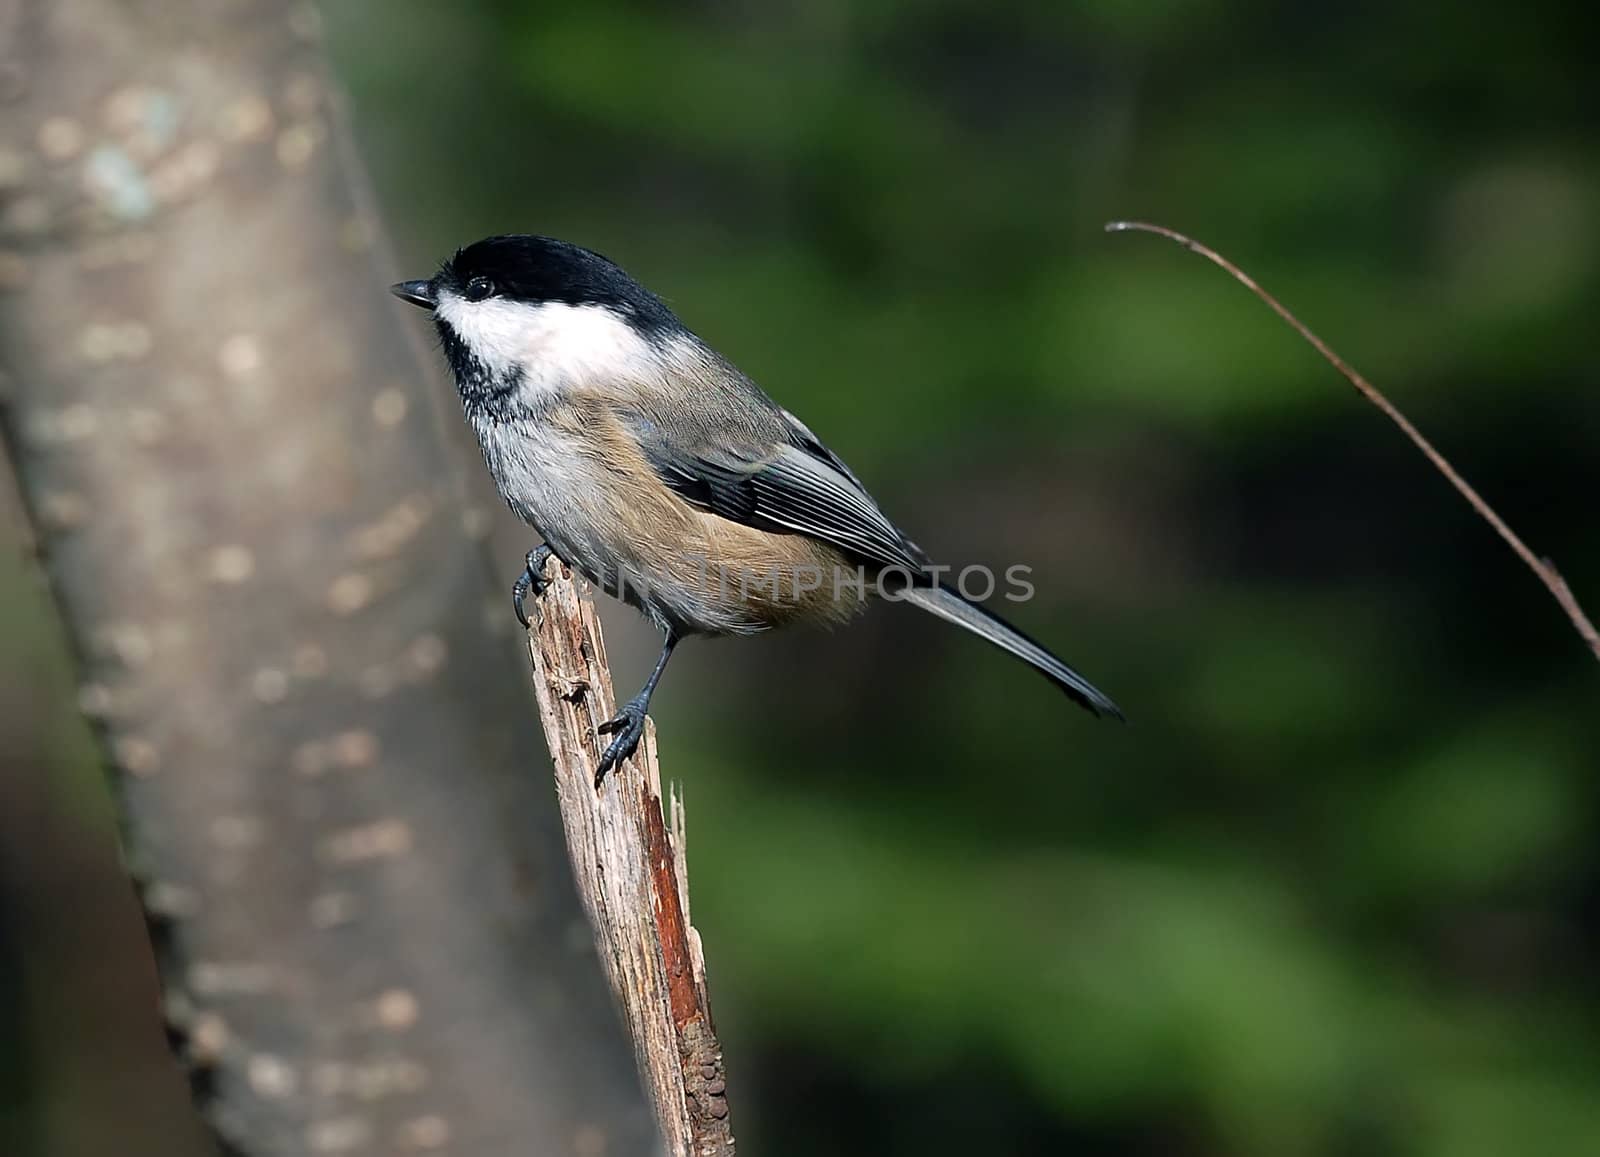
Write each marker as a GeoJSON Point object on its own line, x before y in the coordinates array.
{"type": "Point", "coordinates": [1543, 567]}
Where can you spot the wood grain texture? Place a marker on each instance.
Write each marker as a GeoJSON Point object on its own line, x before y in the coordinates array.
{"type": "Point", "coordinates": [632, 876]}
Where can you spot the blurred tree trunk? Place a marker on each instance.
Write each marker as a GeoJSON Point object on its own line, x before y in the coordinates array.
{"type": "Point", "coordinates": [333, 783]}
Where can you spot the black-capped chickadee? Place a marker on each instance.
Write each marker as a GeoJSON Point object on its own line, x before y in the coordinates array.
{"type": "Point", "coordinates": [655, 468]}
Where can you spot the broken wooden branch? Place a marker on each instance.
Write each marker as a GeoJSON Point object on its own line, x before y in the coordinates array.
{"type": "Point", "coordinates": [628, 860]}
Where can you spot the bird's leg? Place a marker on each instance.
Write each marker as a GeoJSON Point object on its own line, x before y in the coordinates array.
{"type": "Point", "coordinates": [531, 579]}
{"type": "Point", "coordinates": [629, 723]}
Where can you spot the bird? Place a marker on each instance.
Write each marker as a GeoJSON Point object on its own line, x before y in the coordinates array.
{"type": "Point", "coordinates": [653, 466]}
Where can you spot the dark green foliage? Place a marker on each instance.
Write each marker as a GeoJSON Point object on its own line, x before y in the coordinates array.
{"type": "Point", "coordinates": [1331, 892]}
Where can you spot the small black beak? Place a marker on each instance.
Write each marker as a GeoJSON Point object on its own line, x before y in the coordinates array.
{"type": "Point", "coordinates": [416, 292]}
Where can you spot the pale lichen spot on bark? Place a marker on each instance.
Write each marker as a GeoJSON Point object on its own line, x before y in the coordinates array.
{"type": "Point", "coordinates": [270, 685]}
{"type": "Point", "coordinates": [395, 1009]}
{"type": "Point", "coordinates": [271, 1078]}
{"type": "Point", "coordinates": [117, 185]}
{"type": "Point", "coordinates": [352, 749]}
{"type": "Point", "coordinates": [371, 1080]}
{"type": "Point", "coordinates": [208, 1038]}
{"type": "Point", "coordinates": [63, 510]}
{"type": "Point", "coordinates": [424, 1133]}
{"type": "Point", "coordinates": [136, 755]}
{"type": "Point", "coordinates": [426, 656]}
{"type": "Point", "coordinates": [350, 593]}
{"type": "Point", "coordinates": [381, 839]}
{"type": "Point", "coordinates": [240, 355]}
{"type": "Point", "coordinates": [129, 642]}
{"type": "Point", "coordinates": [397, 526]}
{"type": "Point", "coordinates": [355, 748]}
{"type": "Point", "coordinates": [298, 143]}
{"type": "Point", "coordinates": [339, 1135]}
{"type": "Point", "coordinates": [146, 120]}
{"type": "Point", "coordinates": [95, 700]}
{"type": "Point", "coordinates": [389, 408]}
{"type": "Point", "coordinates": [231, 564]}
{"type": "Point", "coordinates": [123, 109]}
{"type": "Point", "coordinates": [61, 138]}
{"type": "Point", "coordinates": [171, 901]}
{"type": "Point", "coordinates": [247, 119]}
{"type": "Point", "coordinates": [186, 172]}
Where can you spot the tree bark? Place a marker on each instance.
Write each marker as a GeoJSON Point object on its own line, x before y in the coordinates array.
{"type": "Point", "coordinates": [332, 794]}
{"type": "Point", "coordinates": [632, 875]}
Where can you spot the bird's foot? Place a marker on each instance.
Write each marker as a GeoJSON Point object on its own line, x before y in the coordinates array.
{"type": "Point", "coordinates": [531, 580]}
{"type": "Point", "coordinates": [628, 727]}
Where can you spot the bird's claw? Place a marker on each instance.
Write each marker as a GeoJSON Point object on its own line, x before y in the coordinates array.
{"type": "Point", "coordinates": [628, 727]}
{"type": "Point", "coordinates": [531, 580]}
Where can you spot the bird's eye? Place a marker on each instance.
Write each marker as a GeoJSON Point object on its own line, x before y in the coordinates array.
{"type": "Point", "coordinates": [479, 288]}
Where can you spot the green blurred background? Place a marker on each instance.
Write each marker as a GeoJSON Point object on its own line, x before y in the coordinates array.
{"type": "Point", "coordinates": [1336, 888]}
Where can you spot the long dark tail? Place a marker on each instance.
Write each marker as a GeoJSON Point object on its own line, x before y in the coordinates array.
{"type": "Point", "coordinates": [948, 604]}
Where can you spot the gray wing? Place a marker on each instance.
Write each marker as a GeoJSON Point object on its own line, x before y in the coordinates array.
{"type": "Point", "coordinates": [753, 463]}
{"type": "Point", "coordinates": [776, 477]}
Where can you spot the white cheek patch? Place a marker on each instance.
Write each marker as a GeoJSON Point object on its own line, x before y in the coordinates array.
{"type": "Point", "coordinates": [554, 346]}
